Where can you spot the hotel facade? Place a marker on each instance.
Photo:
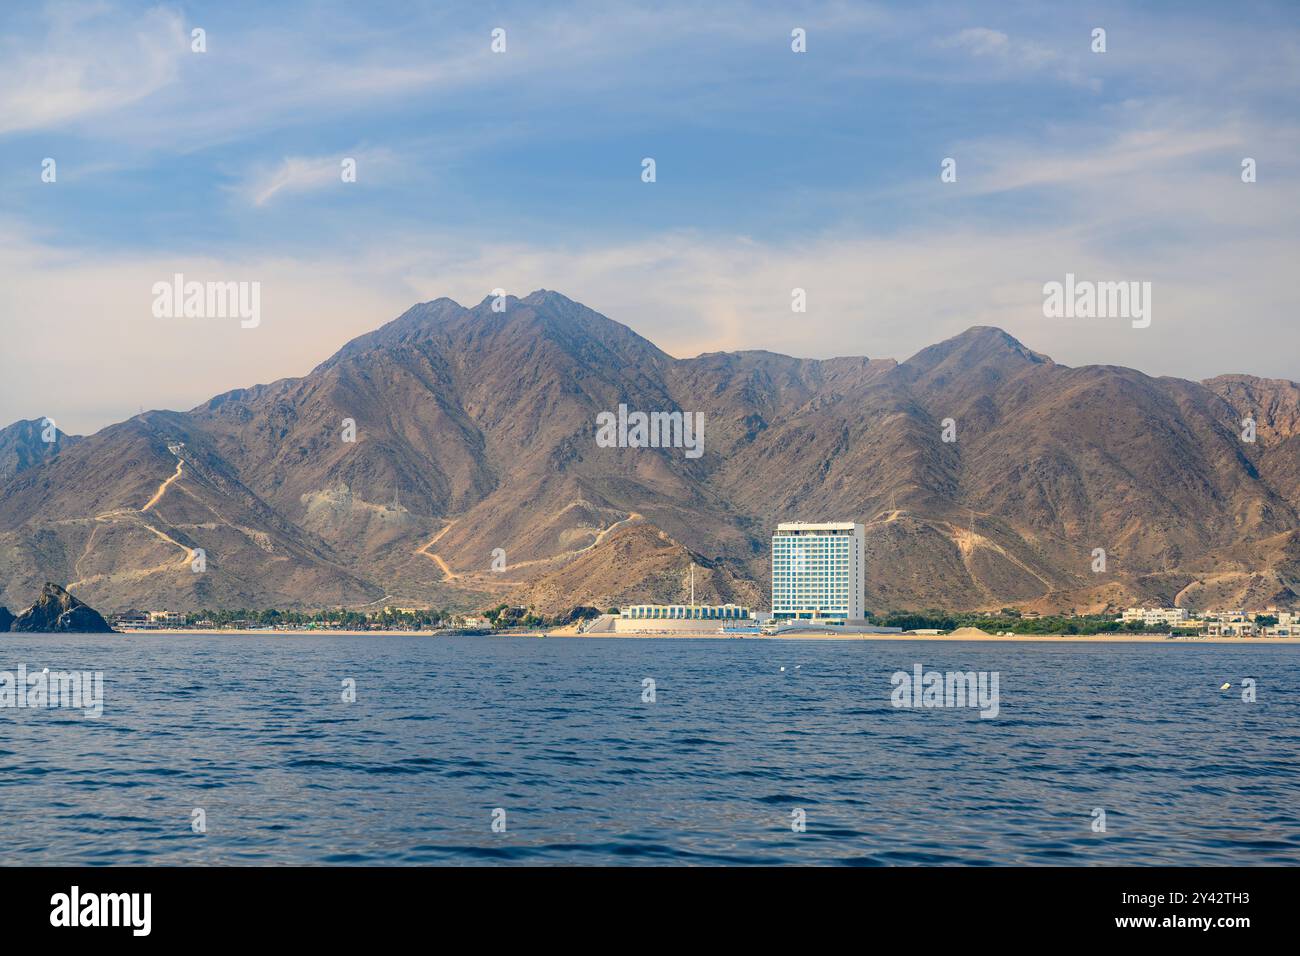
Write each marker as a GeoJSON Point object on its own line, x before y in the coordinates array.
{"type": "Point", "coordinates": [684, 612]}
{"type": "Point", "coordinates": [818, 571]}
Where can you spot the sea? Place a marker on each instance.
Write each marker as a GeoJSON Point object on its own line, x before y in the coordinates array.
{"type": "Point", "coordinates": [419, 750]}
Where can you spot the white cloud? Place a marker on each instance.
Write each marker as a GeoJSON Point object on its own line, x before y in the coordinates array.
{"type": "Point", "coordinates": [1144, 190]}
{"type": "Point", "coordinates": [287, 68]}
{"type": "Point", "coordinates": [982, 41]}
{"type": "Point", "coordinates": [1016, 55]}
{"type": "Point", "coordinates": [299, 174]}
{"type": "Point", "coordinates": [83, 347]}
{"type": "Point", "coordinates": [88, 66]}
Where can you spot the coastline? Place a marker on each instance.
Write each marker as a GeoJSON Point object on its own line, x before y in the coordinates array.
{"type": "Point", "coordinates": [964, 638]}
{"type": "Point", "coordinates": [713, 635]}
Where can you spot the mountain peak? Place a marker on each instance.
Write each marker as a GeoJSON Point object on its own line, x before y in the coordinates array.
{"type": "Point", "coordinates": [980, 345]}
{"type": "Point", "coordinates": [541, 315]}
{"type": "Point", "coordinates": [437, 305]}
{"type": "Point", "coordinates": [537, 298]}
{"type": "Point", "coordinates": [23, 445]}
{"type": "Point", "coordinates": [547, 296]}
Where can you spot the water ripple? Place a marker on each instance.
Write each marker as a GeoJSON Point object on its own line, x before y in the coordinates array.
{"type": "Point", "coordinates": [254, 732]}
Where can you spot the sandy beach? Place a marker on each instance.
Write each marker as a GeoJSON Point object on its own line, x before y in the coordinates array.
{"type": "Point", "coordinates": [713, 635]}
{"type": "Point", "coordinates": [1042, 638]}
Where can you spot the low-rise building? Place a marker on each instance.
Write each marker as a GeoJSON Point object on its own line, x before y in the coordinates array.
{"type": "Point", "coordinates": [1276, 622]}
{"type": "Point", "coordinates": [680, 619]}
{"type": "Point", "coordinates": [1156, 616]}
{"type": "Point", "coordinates": [1238, 628]}
{"type": "Point", "coordinates": [684, 612]}
{"type": "Point", "coordinates": [1242, 623]}
{"type": "Point", "coordinates": [130, 619]}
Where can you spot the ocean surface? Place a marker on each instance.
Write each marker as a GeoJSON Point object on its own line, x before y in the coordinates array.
{"type": "Point", "coordinates": [444, 731]}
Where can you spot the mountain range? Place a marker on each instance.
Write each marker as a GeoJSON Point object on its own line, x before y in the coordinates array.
{"type": "Point", "coordinates": [475, 478]}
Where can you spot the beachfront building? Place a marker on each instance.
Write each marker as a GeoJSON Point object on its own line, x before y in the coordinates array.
{"type": "Point", "coordinates": [130, 619]}
{"type": "Point", "coordinates": [1270, 622]}
{"type": "Point", "coordinates": [684, 612]}
{"type": "Point", "coordinates": [1287, 624]}
{"type": "Point", "coordinates": [818, 571]}
{"type": "Point", "coordinates": [1215, 627]}
{"type": "Point", "coordinates": [1156, 616]}
{"type": "Point", "coordinates": [1284, 618]}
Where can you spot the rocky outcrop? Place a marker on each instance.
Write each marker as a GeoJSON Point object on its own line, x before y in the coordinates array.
{"type": "Point", "coordinates": [57, 611]}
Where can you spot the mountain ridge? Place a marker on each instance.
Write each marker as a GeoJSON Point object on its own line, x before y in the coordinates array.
{"type": "Point", "coordinates": [476, 427]}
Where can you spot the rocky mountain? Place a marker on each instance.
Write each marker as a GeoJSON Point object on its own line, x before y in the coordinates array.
{"type": "Point", "coordinates": [23, 445]}
{"type": "Point", "coordinates": [475, 476]}
{"type": "Point", "coordinates": [57, 611]}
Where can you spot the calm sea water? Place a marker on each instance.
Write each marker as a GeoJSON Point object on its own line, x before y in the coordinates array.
{"type": "Point", "coordinates": [253, 730]}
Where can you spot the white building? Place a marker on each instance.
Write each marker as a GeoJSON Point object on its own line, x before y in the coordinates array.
{"type": "Point", "coordinates": [1240, 623]}
{"type": "Point", "coordinates": [818, 571]}
{"type": "Point", "coordinates": [1220, 628]}
{"type": "Point", "coordinates": [684, 612]}
{"type": "Point", "coordinates": [1156, 616]}
{"type": "Point", "coordinates": [1284, 617]}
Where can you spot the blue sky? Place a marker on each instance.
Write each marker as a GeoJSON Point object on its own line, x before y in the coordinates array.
{"type": "Point", "coordinates": [522, 170]}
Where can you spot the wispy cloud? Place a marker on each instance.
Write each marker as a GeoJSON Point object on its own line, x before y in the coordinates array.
{"type": "Point", "coordinates": [301, 174]}
{"type": "Point", "coordinates": [1017, 55]}
{"type": "Point", "coordinates": [87, 65]}
{"type": "Point", "coordinates": [776, 170]}
{"type": "Point", "coordinates": [689, 292]}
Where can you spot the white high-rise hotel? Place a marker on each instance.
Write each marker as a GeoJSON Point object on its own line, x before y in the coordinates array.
{"type": "Point", "coordinates": [818, 571]}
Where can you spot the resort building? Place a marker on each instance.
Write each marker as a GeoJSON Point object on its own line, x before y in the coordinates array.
{"type": "Point", "coordinates": [130, 619]}
{"type": "Point", "coordinates": [1284, 617]}
{"type": "Point", "coordinates": [818, 571]}
{"type": "Point", "coordinates": [1270, 622]}
{"type": "Point", "coordinates": [147, 620]}
{"type": "Point", "coordinates": [670, 619]}
{"type": "Point", "coordinates": [1156, 616]}
{"type": "Point", "coordinates": [684, 612]}
{"type": "Point", "coordinates": [1238, 628]}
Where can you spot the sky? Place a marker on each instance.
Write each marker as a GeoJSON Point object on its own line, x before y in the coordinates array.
{"type": "Point", "coordinates": [523, 169]}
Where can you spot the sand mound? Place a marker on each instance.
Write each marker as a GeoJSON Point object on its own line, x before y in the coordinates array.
{"type": "Point", "coordinates": [969, 632]}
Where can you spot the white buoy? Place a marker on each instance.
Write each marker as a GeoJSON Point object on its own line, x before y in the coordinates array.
{"type": "Point", "coordinates": [1225, 686]}
{"type": "Point", "coordinates": [783, 669]}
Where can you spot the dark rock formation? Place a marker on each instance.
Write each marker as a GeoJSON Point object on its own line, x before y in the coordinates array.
{"type": "Point", "coordinates": [57, 611]}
